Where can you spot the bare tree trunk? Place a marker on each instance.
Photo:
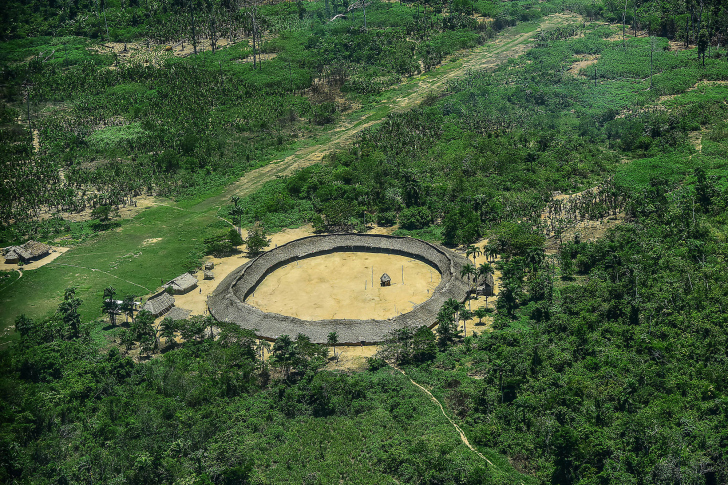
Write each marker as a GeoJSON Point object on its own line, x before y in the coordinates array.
{"type": "Point", "coordinates": [254, 35]}
{"type": "Point", "coordinates": [194, 35]}
{"type": "Point", "coordinates": [624, 19]}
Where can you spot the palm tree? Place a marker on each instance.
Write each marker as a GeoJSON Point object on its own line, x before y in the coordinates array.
{"type": "Point", "coordinates": [262, 347]}
{"type": "Point", "coordinates": [491, 251]}
{"type": "Point", "coordinates": [168, 327]}
{"type": "Point", "coordinates": [128, 307]}
{"type": "Point", "coordinates": [484, 270]}
{"type": "Point", "coordinates": [109, 305]}
{"type": "Point", "coordinates": [534, 257]}
{"type": "Point", "coordinates": [69, 310]}
{"type": "Point", "coordinates": [465, 315]}
{"type": "Point", "coordinates": [481, 313]}
{"type": "Point", "coordinates": [209, 323]}
{"type": "Point", "coordinates": [283, 353]}
{"type": "Point", "coordinates": [333, 339]}
{"type": "Point", "coordinates": [474, 251]}
{"type": "Point", "coordinates": [468, 270]}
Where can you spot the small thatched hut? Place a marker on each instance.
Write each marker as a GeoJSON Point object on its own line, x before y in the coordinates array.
{"type": "Point", "coordinates": [182, 284]}
{"type": "Point", "coordinates": [30, 251]}
{"type": "Point", "coordinates": [208, 275]}
{"type": "Point", "coordinates": [209, 265]}
{"type": "Point", "coordinates": [385, 280]}
{"type": "Point", "coordinates": [159, 304]}
{"type": "Point", "coordinates": [486, 286]}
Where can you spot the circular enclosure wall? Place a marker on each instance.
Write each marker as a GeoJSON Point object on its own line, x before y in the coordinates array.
{"type": "Point", "coordinates": [227, 303]}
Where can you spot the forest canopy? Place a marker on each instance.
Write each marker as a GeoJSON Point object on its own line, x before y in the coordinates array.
{"type": "Point", "coordinates": [604, 359]}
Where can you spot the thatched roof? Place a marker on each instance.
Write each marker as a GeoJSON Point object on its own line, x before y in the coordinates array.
{"type": "Point", "coordinates": [159, 304]}
{"type": "Point", "coordinates": [29, 250]}
{"type": "Point", "coordinates": [183, 283]}
{"type": "Point", "coordinates": [488, 280]}
{"type": "Point", "coordinates": [208, 275]}
{"type": "Point", "coordinates": [385, 277]}
{"type": "Point", "coordinates": [177, 313]}
{"type": "Point", "coordinates": [209, 265]}
{"type": "Point", "coordinates": [12, 257]}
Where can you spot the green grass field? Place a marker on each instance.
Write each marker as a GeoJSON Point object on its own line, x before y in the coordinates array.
{"type": "Point", "coordinates": [118, 258]}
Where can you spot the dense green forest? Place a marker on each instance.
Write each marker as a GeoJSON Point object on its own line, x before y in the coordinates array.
{"type": "Point", "coordinates": [606, 360]}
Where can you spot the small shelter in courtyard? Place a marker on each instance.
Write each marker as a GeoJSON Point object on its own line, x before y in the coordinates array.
{"type": "Point", "coordinates": [182, 284]}
{"type": "Point", "coordinates": [209, 265]}
{"type": "Point", "coordinates": [385, 280]}
{"type": "Point", "coordinates": [486, 286]}
{"type": "Point", "coordinates": [159, 304]}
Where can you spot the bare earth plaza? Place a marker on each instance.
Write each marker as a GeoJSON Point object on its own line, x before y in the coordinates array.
{"type": "Point", "coordinates": [234, 299]}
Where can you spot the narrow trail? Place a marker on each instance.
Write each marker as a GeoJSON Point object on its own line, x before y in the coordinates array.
{"type": "Point", "coordinates": [507, 45]}
{"type": "Point", "coordinates": [105, 272]}
{"type": "Point", "coordinates": [463, 438]}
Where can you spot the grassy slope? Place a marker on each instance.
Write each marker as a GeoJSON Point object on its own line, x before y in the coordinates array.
{"type": "Point", "coordinates": [136, 268]}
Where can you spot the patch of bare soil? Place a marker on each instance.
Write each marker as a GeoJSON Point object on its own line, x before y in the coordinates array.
{"type": "Point", "coordinates": [55, 252]}
{"type": "Point", "coordinates": [346, 285]}
{"type": "Point", "coordinates": [258, 58]}
{"type": "Point", "coordinates": [153, 54]}
{"type": "Point", "coordinates": [584, 61]}
{"type": "Point", "coordinates": [696, 139]}
{"type": "Point", "coordinates": [124, 212]}
{"type": "Point", "coordinates": [678, 46]}
{"type": "Point", "coordinates": [564, 220]}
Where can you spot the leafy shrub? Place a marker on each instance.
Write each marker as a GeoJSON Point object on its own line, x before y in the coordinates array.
{"type": "Point", "coordinates": [415, 218]}
{"type": "Point", "coordinates": [386, 218]}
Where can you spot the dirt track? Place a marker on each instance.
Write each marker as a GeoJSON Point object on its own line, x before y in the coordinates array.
{"type": "Point", "coordinates": [507, 45]}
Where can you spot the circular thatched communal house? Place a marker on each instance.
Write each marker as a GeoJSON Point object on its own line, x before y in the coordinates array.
{"type": "Point", "coordinates": [227, 303]}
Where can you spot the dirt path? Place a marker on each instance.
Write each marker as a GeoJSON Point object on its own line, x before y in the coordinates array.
{"type": "Point", "coordinates": [106, 273]}
{"type": "Point", "coordinates": [463, 438]}
{"type": "Point", "coordinates": [507, 45]}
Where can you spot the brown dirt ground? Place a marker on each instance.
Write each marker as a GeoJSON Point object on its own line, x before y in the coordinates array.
{"type": "Point", "coordinates": [589, 230]}
{"type": "Point", "coordinates": [584, 61]}
{"type": "Point", "coordinates": [125, 212]}
{"type": "Point", "coordinates": [339, 285]}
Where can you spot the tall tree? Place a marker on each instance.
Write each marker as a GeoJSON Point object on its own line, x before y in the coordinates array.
{"type": "Point", "coordinates": [473, 251]}
{"type": "Point", "coordinates": [69, 311]}
{"type": "Point", "coordinates": [128, 306]}
{"type": "Point", "coordinates": [109, 305]}
{"type": "Point", "coordinates": [332, 340]}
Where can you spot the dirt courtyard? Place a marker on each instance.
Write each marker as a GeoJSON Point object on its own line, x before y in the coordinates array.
{"type": "Point", "coordinates": [333, 286]}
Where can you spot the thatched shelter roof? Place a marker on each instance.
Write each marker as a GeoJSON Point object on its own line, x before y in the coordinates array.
{"type": "Point", "coordinates": [182, 284]}
{"type": "Point", "coordinates": [177, 313]}
{"type": "Point", "coordinates": [209, 265]}
{"type": "Point", "coordinates": [385, 278]}
{"type": "Point", "coordinates": [488, 280]}
{"type": "Point", "coordinates": [11, 257]}
{"type": "Point", "coordinates": [208, 275]}
{"type": "Point", "coordinates": [28, 251]}
{"type": "Point", "coordinates": [159, 304]}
